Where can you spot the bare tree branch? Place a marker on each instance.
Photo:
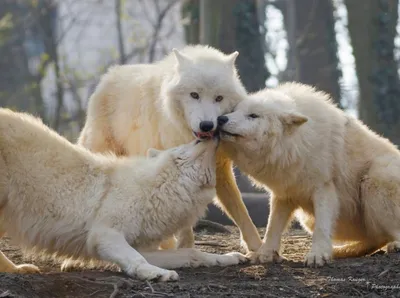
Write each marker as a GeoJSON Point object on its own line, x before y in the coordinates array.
{"type": "Point", "coordinates": [121, 47]}
{"type": "Point", "coordinates": [157, 28]}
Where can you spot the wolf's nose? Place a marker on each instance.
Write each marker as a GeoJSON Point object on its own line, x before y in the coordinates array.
{"type": "Point", "coordinates": [222, 120]}
{"type": "Point", "coordinates": [206, 125]}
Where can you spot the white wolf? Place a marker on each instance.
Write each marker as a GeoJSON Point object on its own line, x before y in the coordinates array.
{"type": "Point", "coordinates": [341, 178]}
{"type": "Point", "coordinates": [63, 199]}
{"type": "Point", "coordinates": [162, 105]}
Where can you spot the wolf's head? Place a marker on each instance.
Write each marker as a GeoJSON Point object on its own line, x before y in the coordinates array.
{"type": "Point", "coordinates": [204, 85]}
{"type": "Point", "coordinates": [194, 161]}
{"type": "Point", "coordinates": [263, 124]}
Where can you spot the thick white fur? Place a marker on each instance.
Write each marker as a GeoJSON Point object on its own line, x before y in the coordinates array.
{"type": "Point", "coordinates": [61, 198]}
{"type": "Point", "coordinates": [342, 179]}
{"type": "Point", "coordinates": [136, 107]}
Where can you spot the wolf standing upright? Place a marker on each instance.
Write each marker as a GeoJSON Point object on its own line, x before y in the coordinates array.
{"type": "Point", "coordinates": [341, 179]}
{"type": "Point", "coordinates": [162, 105]}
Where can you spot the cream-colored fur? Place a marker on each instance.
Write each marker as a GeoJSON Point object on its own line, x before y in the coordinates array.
{"type": "Point", "coordinates": [341, 179]}
{"type": "Point", "coordinates": [61, 198]}
{"type": "Point", "coordinates": [135, 107]}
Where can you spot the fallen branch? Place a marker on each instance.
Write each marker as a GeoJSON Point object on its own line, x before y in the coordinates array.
{"type": "Point", "coordinates": [210, 243]}
{"type": "Point", "coordinates": [103, 282]}
{"type": "Point", "coordinates": [204, 224]}
{"type": "Point", "coordinates": [156, 293]}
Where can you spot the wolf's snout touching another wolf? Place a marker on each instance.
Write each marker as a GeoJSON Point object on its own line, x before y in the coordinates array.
{"type": "Point", "coordinates": [340, 179]}
{"type": "Point", "coordinates": [61, 198]}
{"type": "Point", "coordinates": [163, 105]}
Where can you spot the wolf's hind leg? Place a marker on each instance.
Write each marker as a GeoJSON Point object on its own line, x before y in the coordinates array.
{"type": "Point", "coordinates": [7, 266]}
{"type": "Point", "coordinates": [185, 238]}
{"type": "Point", "coordinates": [394, 246]}
{"type": "Point", "coordinates": [380, 190]}
{"type": "Point", "coordinates": [169, 243]}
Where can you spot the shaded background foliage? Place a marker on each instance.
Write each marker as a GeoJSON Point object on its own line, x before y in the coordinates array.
{"type": "Point", "coordinates": [52, 53]}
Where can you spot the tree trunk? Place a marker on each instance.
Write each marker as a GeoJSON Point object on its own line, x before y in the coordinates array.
{"type": "Point", "coordinates": [372, 28]}
{"type": "Point", "coordinates": [312, 57]}
{"type": "Point", "coordinates": [47, 15]}
{"type": "Point", "coordinates": [191, 15]}
{"type": "Point", "coordinates": [233, 25]}
{"type": "Point", "coordinates": [121, 46]}
{"type": "Point", "coordinates": [16, 83]}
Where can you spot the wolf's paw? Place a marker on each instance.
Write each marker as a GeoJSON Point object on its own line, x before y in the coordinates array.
{"type": "Point", "coordinates": [150, 272]}
{"type": "Point", "coordinates": [393, 247]}
{"type": "Point", "coordinates": [265, 256]}
{"type": "Point", "coordinates": [229, 259]}
{"type": "Point", "coordinates": [26, 269]}
{"type": "Point", "coordinates": [317, 258]}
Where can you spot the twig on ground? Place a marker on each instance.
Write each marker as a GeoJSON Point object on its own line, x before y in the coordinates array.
{"type": "Point", "coordinates": [98, 291]}
{"type": "Point", "coordinates": [104, 281]}
{"type": "Point", "coordinates": [210, 243]}
{"type": "Point", "coordinates": [115, 292]}
{"type": "Point", "coordinates": [156, 293]}
{"type": "Point", "coordinates": [384, 272]}
{"type": "Point", "coordinates": [150, 286]}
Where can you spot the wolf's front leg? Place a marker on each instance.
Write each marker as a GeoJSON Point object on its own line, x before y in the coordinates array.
{"type": "Point", "coordinates": [191, 257]}
{"type": "Point", "coordinates": [326, 210]}
{"type": "Point", "coordinates": [110, 245]}
{"type": "Point", "coordinates": [280, 213]}
{"type": "Point", "coordinates": [231, 201]}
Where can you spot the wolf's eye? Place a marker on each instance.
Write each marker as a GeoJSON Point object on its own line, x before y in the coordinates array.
{"type": "Point", "coordinates": [195, 95]}
{"type": "Point", "coordinates": [219, 98]}
{"type": "Point", "coordinates": [254, 116]}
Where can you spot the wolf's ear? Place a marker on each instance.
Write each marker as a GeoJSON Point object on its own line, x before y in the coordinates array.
{"type": "Point", "coordinates": [182, 59]}
{"type": "Point", "coordinates": [151, 152]}
{"type": "Point", "coordinates": [231, 58]}
{"type": "Point", "coordinates": [293, 119]}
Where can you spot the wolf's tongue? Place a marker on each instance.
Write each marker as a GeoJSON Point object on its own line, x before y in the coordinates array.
{"type": "Point", "coordinates": [208, 134]}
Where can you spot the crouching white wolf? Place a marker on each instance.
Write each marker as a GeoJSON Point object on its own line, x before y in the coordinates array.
{"type": "Point", "coordinates": [341, 178]}
{"type": "Point", "coordinates": [162, 105]}
{"type": "Point", "coordinates": [63, 199]}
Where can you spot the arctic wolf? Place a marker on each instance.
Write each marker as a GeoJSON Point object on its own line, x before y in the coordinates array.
{"type": "Point", "coordinates": [162, 105]}
{"type": "Point", "coordinates": [61, 198]}
{"type": "Point", "coordinates": [341, 179]}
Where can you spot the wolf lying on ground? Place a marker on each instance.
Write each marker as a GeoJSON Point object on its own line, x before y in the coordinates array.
{"type": "Point", "coordinates": [162, 105]}
{"type": "Point", "coordinates": [342, 179]}
{"type": "Point", "coordinates": [63, 199]}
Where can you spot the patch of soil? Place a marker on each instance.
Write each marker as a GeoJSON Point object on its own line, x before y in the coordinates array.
{"type": "Point", "coordinates": [373, 276]}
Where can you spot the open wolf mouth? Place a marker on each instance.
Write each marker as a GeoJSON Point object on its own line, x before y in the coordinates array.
{"type": "Point", "coordinates": [204, 135]}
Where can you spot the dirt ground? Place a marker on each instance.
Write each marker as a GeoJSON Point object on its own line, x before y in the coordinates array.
{"type": "Point", "coordinates": [372, 276]}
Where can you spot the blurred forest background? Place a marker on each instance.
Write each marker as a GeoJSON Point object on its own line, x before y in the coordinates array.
{"type": "Point", "coordinates": [52, 53]}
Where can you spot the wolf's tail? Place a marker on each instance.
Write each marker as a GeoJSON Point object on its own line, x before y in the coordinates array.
{"type": "Point", "coordinates": [356, 249]}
